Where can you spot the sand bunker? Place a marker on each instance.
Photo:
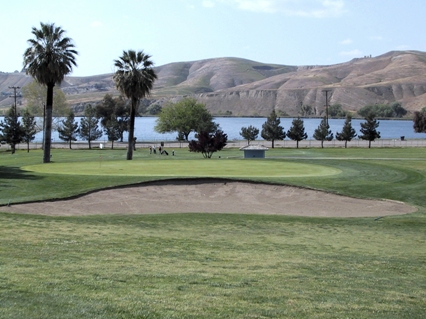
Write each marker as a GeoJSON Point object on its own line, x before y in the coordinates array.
{"type": "Point", "coordinates": [201, 196]}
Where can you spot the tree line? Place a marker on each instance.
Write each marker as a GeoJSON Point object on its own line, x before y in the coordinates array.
{"type": "Point", "coordinates": [184, 117]}
{"type": "Point", "coordinates": [14, 131]}
{"type": "Point", "coordinates": [273, 131]}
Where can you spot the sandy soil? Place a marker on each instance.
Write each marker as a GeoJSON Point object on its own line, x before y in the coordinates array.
{"type": "Point", "coordinates": [214, 196]}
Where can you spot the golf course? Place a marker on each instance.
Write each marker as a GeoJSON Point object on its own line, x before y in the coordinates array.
{"type": "Point", "coordinates": [92, 235]}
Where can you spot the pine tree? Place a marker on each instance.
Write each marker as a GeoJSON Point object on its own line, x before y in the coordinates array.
{"type": "Point", "coordinates": [323, 132]}
{"type": "Point", "coordinates": [297, 131]}
{"type": "Point", "coordinates": [347, 133]}
{"type": "Point", "coordinates": [272, 130]}
{"type": "Point", "coordinates": [112, 130]}
{"type": "Point", "coordinates": [249, 133]}
{"type": "Point", "coordinates": [29, 127]}
{"type": "Point", "coordinates": [89, 129]}
{"type": "Point", "coordinates": [68, 129]}
{"type": "Point", "coordinates": [368, 129]}
{"type": "Point", "coordinates": [11, 129]}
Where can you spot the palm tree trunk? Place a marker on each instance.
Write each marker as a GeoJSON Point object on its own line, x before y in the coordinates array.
{"type": "Point", "coordinates": [131, 129]}
{"type": "Point", "coordinates": [48, 124]}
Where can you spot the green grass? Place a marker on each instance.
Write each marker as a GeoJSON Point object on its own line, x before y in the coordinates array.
{"type": "Point", "coordinates": [214, 265]}
{"type": "Point", "coordinates": [211, 266]}
{"type": "Point", "coordinates": [396, 174]}
{"type": "Point", "coordinates": [184, 168]}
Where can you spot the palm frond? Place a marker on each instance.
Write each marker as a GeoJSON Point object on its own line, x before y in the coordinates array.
{"type": "Point", "coordinates": [135, 75]}
{"type": "Point", "coordinates": [50, 55]}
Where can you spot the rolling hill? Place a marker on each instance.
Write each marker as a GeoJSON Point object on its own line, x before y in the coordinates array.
{"type": "Point", "coordinates": [247, 88]}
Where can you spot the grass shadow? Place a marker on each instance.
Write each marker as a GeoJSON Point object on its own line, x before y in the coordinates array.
{"type": "Point", "coordinates": [10, 172]}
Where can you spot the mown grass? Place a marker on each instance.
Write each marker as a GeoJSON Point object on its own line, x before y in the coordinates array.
{"type": "Point", "coordinates": [397, 174]}
{"type": "Point", "coordinates": [211, 266]}
{"type": "Point", "coordinates": [185, 168]}
{"type": "Point", "coordinates": [216, 265]}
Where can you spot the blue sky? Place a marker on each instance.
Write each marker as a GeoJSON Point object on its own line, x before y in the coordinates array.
{"type": "Point", "coordinates": [291, 32]}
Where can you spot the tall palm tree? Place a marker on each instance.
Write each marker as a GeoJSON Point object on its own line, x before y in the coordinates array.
{"type": "Point", "coordinates": [134, 78]}
{"type": "Point", "coordinates": [49, 58]}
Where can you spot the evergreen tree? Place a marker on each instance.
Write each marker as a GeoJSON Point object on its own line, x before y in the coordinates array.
{"type": "Point", "coordinates": [272, 130]}
{"type": "Point", "coordinates": [11, 129]}
{"type": "Point", "coordinates": [89, 129]}
{"type": "Point", "coordinates": [323, 132]}
{"type": "Point", "coordinates": [249, 133]}
{"type": "Point", "coordinates": [368, 129]}
{"type": "Point", "coordinates": [297, 131]}
{"type": "Point", "coordinates": [29, 126]}
{"type": "Point", "coordinates": [112, 130]}
{"type": "Point", "coordinates": [180, 137]}
{"type": "Point", "coordinates": [68, 129]}
{"type": "Point", "coordinates": [347, 133]}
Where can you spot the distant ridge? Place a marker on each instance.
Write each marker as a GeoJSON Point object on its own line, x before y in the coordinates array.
{"type": "Point", "coordinates": [247, 88]}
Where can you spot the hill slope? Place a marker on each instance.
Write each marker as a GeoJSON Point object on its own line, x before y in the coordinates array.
{"type": "Point", "coordinates": [246, 87]}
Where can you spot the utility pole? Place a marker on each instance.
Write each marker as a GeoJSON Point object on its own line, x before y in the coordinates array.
{"type": "Point", "coordinates": [14, 94]}
{"type": "Point", "coordinates": [15, 124]}
{"type": "Point", "coordinates": [326, 103]}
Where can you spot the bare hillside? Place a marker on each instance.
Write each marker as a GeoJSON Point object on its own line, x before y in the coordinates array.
{"type": "Point", "coordinates": [395, 76]}
{"type": "Point", "coordinates": [244, 87]}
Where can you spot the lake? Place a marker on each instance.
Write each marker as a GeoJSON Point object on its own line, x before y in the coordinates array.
{"type": "Point", "coordinates": [144, 128]}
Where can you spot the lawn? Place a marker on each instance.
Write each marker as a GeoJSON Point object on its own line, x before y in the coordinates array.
{"type": "Point", "coordinates": [211, 265]}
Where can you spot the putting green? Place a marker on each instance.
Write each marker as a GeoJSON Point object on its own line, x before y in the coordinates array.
{"type": "Point", "coordinates": [187, 168]}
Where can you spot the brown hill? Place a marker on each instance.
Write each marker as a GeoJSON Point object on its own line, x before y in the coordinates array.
{"type": "Point", "coordinates": [246, 88]}
{"type": "Point", "coordinates": [395, 76]}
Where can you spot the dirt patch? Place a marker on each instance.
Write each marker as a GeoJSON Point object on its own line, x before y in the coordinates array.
{"type": "Point", "coordinates": [214, 197]}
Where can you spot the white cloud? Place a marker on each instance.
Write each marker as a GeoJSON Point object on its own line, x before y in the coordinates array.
{"type": "Point", "coordinates": [354, 53]}
{"type": "Point", "coordinates": [346, 41]}
{"type": "Point", "coordinates": [302, 8]}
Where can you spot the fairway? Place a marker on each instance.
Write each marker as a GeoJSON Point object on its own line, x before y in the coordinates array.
{"type": "Point", "coordinates": [188, 168]}
{"type": "Point", "coordinates": [78, 244]}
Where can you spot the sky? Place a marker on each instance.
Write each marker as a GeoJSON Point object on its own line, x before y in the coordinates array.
{"type": "Point", "coordinates": [287, 32]}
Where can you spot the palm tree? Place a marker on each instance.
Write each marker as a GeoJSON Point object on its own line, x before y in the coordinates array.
{"type": "Point", "coordinates": [49, 58]}
{"type": "Point", "coordinates": [134, 78]}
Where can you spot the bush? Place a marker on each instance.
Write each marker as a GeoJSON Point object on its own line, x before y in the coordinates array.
{"type": "Point", "coordinates": [394, 109]}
